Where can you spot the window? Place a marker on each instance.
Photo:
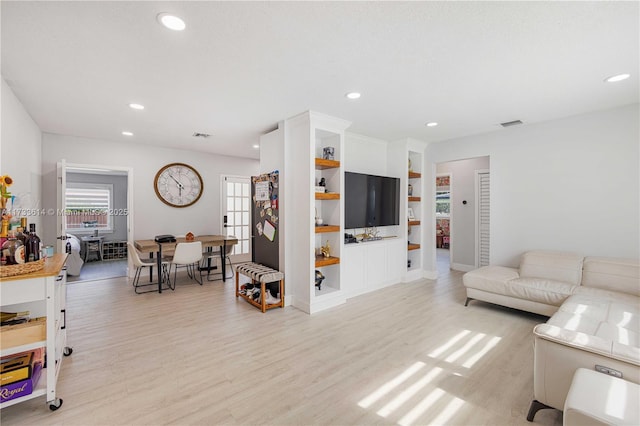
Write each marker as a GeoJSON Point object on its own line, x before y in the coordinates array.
{"type": "Point", "coordinates": [88, 206]}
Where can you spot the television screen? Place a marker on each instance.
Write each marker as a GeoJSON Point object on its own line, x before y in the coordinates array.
{"type": "Point", "coordinates": [371, 200]}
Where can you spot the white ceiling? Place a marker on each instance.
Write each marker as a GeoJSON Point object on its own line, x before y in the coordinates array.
{"type": "Point", "coordinates": [240, 67]}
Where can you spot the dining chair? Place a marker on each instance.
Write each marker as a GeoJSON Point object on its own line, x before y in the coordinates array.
{"type": "Point", "coordinates": [213, 256]}
{"type": "Point", "coordinates": [140, 264]}
{"type": "Point", "coordinates": [187, 255]}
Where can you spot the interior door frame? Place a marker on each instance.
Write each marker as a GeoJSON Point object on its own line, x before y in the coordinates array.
{"type": "Point", "coordinates": [62, 167]}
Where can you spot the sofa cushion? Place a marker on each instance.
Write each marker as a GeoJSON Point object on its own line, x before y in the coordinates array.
{"type": "Point", "coordinates": [610, 327]}
{"type": "Point", "coordinates": [541, 290]}
{"type": "Point", "coordinates": [558, 266]}
{"type": "Point", "coordinates": [620, 275]}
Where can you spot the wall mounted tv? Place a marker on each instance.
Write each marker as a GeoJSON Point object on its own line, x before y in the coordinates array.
{"type": "Point", "coordinates": [371, 200]}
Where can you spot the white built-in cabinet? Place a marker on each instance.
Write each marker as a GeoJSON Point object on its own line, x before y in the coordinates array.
{"type": "Point", "coordinates": [306, 136]}
{"type": "Point", "coordinates": [415, 210]}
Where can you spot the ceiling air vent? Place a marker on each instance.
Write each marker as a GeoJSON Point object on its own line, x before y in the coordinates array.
{"type": "Point", "coordinates": [511, 123]}
{"type": "Point", "coordinates": [201, 135]}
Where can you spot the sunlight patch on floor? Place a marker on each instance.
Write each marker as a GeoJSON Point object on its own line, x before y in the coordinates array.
{"type": "Point", "coordinates": [420, 400]}
{"type": "Point", "coordinates": [408, 393]}
{"type": "Point", "coordinates": [390, 385]}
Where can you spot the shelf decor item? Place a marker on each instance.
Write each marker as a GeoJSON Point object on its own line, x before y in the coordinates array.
{"type": "Point", "coordinates": [328, 153]}
{"type": "Point", "coordinates": [326, 250]}
{"type": "Point", "coordinates": [410, 190]}
{"type": "Point", "coordinates": [5, 182]}
{"type": "Point", "coordinates": [410, 214]}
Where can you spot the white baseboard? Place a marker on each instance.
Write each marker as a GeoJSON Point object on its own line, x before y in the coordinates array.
{"type": "Point", "coordinates": [461, 267]}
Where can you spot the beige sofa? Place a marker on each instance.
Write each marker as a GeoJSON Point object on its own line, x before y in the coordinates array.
{"type": "Point", "coordinates": [594, 309]}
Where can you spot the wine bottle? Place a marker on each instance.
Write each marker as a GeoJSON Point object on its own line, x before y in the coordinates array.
{"type": "Point", "coordinates": [33, 245]}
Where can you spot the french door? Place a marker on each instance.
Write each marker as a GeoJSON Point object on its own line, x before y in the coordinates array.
{"type": "Point", "coordinates": [236, 220]}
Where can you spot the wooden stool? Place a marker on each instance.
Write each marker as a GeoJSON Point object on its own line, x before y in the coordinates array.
{"type": "Point", "coordinates": [263, 275]}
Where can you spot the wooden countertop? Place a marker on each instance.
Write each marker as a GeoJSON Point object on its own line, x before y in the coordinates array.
{"type": "Point", "coordinates": [52, 267]}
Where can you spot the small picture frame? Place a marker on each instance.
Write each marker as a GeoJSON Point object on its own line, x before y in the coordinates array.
{"type": "Point", "coordinates": [410, 214]}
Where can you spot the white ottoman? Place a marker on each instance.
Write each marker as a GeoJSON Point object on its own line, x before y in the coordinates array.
{"type": "Point", "coordinates": [599, 399]}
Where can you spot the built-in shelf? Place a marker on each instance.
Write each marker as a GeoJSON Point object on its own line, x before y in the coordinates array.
{"type": "Point", "coordinates": [414, 222]}
{"type": "Point", "coordinates": [327, 228]}
{"type": "Point", "coordinates": [327, 196]}
{"type": "Point", "coordinates": [415, 175]}
{"type": "Point", "coordinates": [413, 246]}
{"type": "Point", "coordinates": [414, 198]}
{"type": "Point", "coordinates": [322, 164]}
{"type": "Point", "coordinates": [326, 261]}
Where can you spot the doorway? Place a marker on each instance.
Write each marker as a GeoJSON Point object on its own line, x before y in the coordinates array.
{"type": "Point", "coordinates": [462, 188]}
{"type": "Point", "coordinates": [96, 201]}
{"type": "Point", "coordinates": [236, 220]}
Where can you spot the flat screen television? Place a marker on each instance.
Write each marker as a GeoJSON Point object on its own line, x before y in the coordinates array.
{"type": "Point", "coordinates": [371, 200]}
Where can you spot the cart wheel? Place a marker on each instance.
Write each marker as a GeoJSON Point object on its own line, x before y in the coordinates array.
{"type": "Point", "coordinates": [67, 351]}
{"type": "Point", "coordinates": [57, 403]}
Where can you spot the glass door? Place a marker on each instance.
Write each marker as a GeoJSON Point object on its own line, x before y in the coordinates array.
{"type": "Point", "coordinates": [236, 195]}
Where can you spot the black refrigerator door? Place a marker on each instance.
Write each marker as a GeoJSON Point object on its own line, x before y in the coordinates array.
{"type": "Point", "coordinates": [265, 222]}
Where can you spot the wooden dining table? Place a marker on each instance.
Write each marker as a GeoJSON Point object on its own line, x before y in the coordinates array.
{"type": "Point", "coordinates": [208, 241]}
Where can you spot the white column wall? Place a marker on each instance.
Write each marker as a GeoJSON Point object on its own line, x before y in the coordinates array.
{"type": "Point", "coordinates": [20, 153]}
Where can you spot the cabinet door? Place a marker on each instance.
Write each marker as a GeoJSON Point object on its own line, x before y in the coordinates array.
{"type": "Point", "coordinates": [353, 269]}
{"type": "Point", "coordinates": [396, 260]}
{"type": "Point", "coordinates": [376, 265]}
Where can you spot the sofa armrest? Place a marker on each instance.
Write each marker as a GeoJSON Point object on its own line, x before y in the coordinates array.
{"type": "Point", "coordinates": [588, 343]}
{"type": "Point", "coordinates": [490, 278]}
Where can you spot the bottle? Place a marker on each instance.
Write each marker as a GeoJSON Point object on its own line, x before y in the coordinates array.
{"type": "Point", "coordinates": [20, 235]}
{"type": "Point", "coordinates": [13, 250]}
{"type": "Point", "coordinates": [32, 252]}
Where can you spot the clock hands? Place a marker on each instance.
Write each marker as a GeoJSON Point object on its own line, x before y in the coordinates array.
{"type": "Point", "coordinates": [180, 185]}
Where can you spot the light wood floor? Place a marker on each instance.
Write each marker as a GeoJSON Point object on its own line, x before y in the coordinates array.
{"type": "Point", "coordinates": [408, 354]}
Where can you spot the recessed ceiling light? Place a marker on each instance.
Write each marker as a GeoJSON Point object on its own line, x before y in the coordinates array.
{"type": "Point", "coordinates": [618, 77]}
{"type": "Point", "coordinates": [136, 106]}
{"type": "Point", "coordinates": [171, 21]}
{"type": "Point", "coordinates": [256, 146]}
{"type": "Point", "coordinates": [127, 133]}
{"type": "Point", "coordinates": [353, 95]}
{"type": "Point", "coordinates": [431, 124]}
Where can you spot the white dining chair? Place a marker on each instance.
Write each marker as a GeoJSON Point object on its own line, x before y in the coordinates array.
{"type": "Point", "coordinates": [141, 264]}
{"type": "Point", "coordinates": [212, 257]}
{"type": "Point", "coordinates": [187, 255]}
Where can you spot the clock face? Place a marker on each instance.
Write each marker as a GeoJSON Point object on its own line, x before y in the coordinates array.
{"type": "Point", "coordinates": [178, 185]}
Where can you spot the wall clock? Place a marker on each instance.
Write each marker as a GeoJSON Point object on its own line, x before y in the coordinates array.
{"type": "Point", "coordinates": [178, 185]}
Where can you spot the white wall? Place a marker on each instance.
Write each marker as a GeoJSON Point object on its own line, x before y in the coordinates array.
{"type": "Point", "coordinates": [463, 228]}
{"type": "Point", "coordinates": [570, 184]}
{"type": "Point", "coordinates": [20, 140]}
{"type": "Point", "coordinates": [150, 216]}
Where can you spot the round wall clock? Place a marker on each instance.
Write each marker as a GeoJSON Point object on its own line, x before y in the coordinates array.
{"type": "Point", "coordinates": [178, 185]}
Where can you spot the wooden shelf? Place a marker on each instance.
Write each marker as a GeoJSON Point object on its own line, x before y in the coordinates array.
{"type": "Point", "coordinates": [326, 261]}
{"type": "Point", "coordinates": [322, 164]}
{"type": "Point", "coordinates": [414, 198]}
{"type": "Point", "coordinates": [327, 196]}
{"type": "Point", "coordinates": [415, 175]}
{"type": "Point", "coordinates": [414, 222]}
{"type": "Point", "coordinates": [327, 228]}
{"type": "Point", "coordinates": [413, 246]}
